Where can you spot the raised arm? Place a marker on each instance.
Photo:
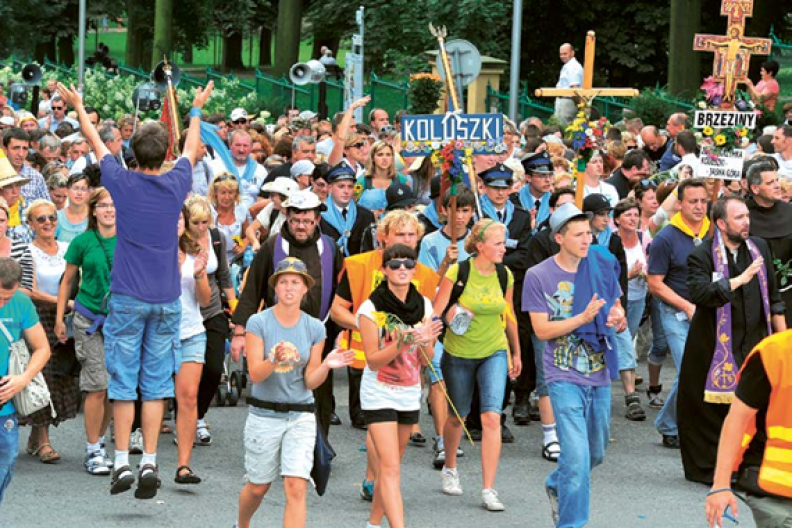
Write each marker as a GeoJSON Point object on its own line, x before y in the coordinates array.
{"type": "Point", "coordinates": [73, 98]}
{"type": "Point", "coordinates": [341, 133]}
{"type": "Point", "coordinates": [193, 143]}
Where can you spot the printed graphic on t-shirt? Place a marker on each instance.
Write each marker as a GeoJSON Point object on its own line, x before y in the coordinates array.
{"type": "Point", "coordinates": [403, 370]}
{"type": "Point", "coordinates": [290, 355]}
{"type": "Point", "coordinates": [571, 352]}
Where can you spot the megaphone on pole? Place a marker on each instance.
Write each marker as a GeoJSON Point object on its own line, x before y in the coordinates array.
{"type": "Point", "coordinates": [311, 72]}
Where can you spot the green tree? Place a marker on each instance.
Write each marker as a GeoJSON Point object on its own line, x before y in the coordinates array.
{"type": "Point", "coordinates": [163, 29]}
{"type": "Point", "coordinates": [287, 38]}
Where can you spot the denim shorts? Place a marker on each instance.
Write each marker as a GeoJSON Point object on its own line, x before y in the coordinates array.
{"type": "Point", "coordinates": [436, 370]}
{"type": "Point", "coordinates": [141, 344]}
{"type": "Point", "coordinates": [279, 446]}
{"type": "Point", "coordinates": [192, 349]}
{"type": "Point", "coordinates": [490, 373]}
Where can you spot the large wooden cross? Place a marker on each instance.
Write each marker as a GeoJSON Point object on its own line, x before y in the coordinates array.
{"type": "Point", "coordinates": [587, 92]}
{"type": "Point", "coordinates": [732, 50]}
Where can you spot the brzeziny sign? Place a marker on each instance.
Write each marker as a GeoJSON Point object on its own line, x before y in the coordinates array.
{"type": "Point", "coordinates": [423, 134]}
{"type": "Point", "coordinates": [716, 119]}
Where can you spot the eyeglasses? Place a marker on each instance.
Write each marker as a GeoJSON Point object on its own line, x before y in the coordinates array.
{"type": "Point", "coordinates": [395, 264]}
{"type": "Point", "coordinates": [43, 218]}
{"type": "Point", "coordinates": [301, 221]}
{"type": "Point", "coordinates": [80, 189]}
{"type": "Point", "coordinates": [105, 206]}
{"type": "Point", "coordinates": [240, 122]}
{"type": "Point", "coordinates": [199, 222]}
{"type": "Point", "coordinates": [358, 145]}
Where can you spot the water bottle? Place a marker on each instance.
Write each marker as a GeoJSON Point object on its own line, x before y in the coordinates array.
{"type": "Point", "coordinates": [247, 258]}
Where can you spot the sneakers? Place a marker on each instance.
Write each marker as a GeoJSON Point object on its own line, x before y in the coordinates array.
{"type": "Point", "coordinates": [655, 400]}
{"type": "Point", "coordinates": [136, 442]}
{"type": "Point", "coordinates": [122, 480]}
{"type": "Point", "coordinates": [202, 436]}
{"type": "Point", "coordinates": [553, 503]}
{"type": "Point", "coordinates": [439, 452]}
{"type": "Point", "coordinates": [451, 485]}
{"type": "Point", "coordinates": [367, 490]}
{"type": "Point", "coordinates": [108, 460]}
{"type": "Point", "coordinates": [491, 500]}
{"type": "Point", "coordinates": [148, 482]}
{"type": "Point", "coordinates": [96, 464]}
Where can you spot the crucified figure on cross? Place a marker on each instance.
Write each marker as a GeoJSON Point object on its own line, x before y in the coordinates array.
{"type": "Point", "coordinates": [731, 63]}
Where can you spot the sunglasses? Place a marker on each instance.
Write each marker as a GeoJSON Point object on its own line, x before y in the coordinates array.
{"type": "Point", "coordinates": [58, 108]}
{"type": "Point", "coordinates": [358, 145]}
{"type": "Point", "coordinates": [240, 121]}
{"type": "Point", "coordinates": [395, 264]}
{"type": "Point", "coordinates": [43, 218]}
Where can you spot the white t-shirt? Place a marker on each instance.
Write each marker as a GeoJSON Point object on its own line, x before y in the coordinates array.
{"type": "Point", "coordinates": [264, 218]}
{"type": "Point", "coordinates": [605, 188]}
{"type": "Point", "coordinates": [398, 384]}
{"type": "Point", "coordinates": [248, 190]}
{"type": "Point", "coordinates": [784, 166]}
{"type": "Point", "coordinates": [636, 288]}
{"type": "Point", "coordinates": [191, 318]}
{"type": "Point", "coordinates": [571, 74]}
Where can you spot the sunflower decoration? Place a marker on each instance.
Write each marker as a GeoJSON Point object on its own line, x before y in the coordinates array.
{"type": "Point", "coordinates": [357, 191]}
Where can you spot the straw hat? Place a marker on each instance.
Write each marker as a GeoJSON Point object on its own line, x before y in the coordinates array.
{"type": "Point", "coordinates": [8, 176]}
{"type": "Point", "coordinates": [293, 266]}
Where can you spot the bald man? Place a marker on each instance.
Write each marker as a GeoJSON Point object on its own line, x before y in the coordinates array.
{"type": "Point", "coordinates": [571, 77]}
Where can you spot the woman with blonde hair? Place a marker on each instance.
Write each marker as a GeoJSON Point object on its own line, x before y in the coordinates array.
{"type": "Point", "coordinates": [215, 320]}
{"type": "Point", "coordinates": [49, 263]}
{"type": "Point", "coordinates": [476, 348]}
{"type": "Point", "coordinates": [380, 172]}
{"type": "Point", "coordinates": [89, 260]}
{"type": "Point", "coordinates": [228, 213]}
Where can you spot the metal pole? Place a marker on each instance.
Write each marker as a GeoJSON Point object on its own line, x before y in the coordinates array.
{"type": "Point", "coordinates": [514, 77]}
{"type": "Point", "coordinates": [81, 47]}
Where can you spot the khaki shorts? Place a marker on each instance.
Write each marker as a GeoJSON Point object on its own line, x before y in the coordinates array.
{"type": "Point", "coordinates": [90, 353]}
{"type": "Point", "coordinates": [279, 446]}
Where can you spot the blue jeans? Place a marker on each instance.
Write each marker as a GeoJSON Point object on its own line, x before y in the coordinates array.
{"type": "Point", "coordinates": [582, 416]}
{"type": "Point", "coordinates": [625, 351]}
{"type": "Point", "coordinates": [436, 364]}
{"type": "Point", "coordinates": [635, 310]}
{"type": "Point", "coordinates": [461, 373]}
{"type": "Point", "coordinates": [659, 350]}
{"type": "Point", "coordinates": [9, 447]}
{"type": "Point", "coordinates": [141, 348]}
{"type": "Point", "coordinates": [676, 326]}
{"type": "Point", "coordinates": [539, 346]}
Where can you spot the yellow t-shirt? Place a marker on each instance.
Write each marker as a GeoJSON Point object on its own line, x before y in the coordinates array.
{"type": "Point", "coordinates": [483, 297]}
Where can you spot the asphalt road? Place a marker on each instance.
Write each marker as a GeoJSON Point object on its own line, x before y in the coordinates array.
{"type": "Point", "coordinates": [639, 485]}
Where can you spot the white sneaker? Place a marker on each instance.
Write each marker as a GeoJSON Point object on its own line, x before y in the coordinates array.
{"type": "Point", "coordinates": [491, 500]}
{"type": "Point", "coordinates": [108, 460]}
{"type": "Point", "coordinates": [451, 485]}
{"type": "Point", "coordinates": [95, 464]}
{"type": "Point", "coordinates": [136, 442]}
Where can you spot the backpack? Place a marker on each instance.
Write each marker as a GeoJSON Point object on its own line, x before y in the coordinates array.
{"type": "Point", "coordinates": [459, 286]}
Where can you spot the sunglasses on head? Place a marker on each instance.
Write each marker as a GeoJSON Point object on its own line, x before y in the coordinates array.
{"type": "Point", "coordinates": [224, 177]}
{"type": "Point", "coordinates": [647, 184]}
{"type": "Point", "coordinates": [43, 218]}
{"type": "Point", "coordinates": [395, 264]}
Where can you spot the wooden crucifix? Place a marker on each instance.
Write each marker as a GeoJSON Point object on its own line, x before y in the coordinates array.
{"type": "Point", "coordinates": [586, 93]}
{"type": "Point", "coordinates": [733, 50]}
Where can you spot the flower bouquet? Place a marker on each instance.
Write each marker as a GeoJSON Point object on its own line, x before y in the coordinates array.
{"type": "Point", "coordinates": [587, 137]}
{"type": "Point", "coordinates": [424, 93]}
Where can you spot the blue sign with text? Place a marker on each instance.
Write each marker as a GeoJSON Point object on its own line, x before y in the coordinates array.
{"type": "Point", "coordinates": [423, 134]}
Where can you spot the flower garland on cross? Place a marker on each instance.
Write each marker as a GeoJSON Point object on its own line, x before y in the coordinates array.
{"type": "Point", "coordinates": [587, 138]}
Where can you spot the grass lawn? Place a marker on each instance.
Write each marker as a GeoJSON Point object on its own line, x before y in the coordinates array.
{"type": "Point", "coordinates": [202, 58]}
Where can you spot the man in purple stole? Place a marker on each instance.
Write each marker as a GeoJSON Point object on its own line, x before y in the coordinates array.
{"type": "Point", "coordinates": [731, 280]}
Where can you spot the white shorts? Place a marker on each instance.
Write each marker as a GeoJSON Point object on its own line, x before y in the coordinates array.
{"type": "Point", "coordinates": [279, 446]}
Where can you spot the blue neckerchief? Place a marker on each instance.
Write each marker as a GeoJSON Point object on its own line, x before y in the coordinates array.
{"type": "Point", "coordinates": [430, 213]}
{"type": "Point", "coordinates": [527, 200]}
{"type": "Point", "coordinates": [598, 273]}
{"type": "Point", "coordinates": [333, 217]}
{"type": "Point", "coordinates": [210, 137]}
{"type": "Point", "coordinates": [488, 209]}
{"type": "Point", "coordinates": [604, 237]}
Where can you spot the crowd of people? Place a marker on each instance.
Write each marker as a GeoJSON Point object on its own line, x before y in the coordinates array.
{"type": "Point", "coordinates": [316, 245]}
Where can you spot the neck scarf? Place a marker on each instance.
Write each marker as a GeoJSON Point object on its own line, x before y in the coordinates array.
{"type": "Point", "coordinates": [488, 209]}
{"type": "Point", "coordinates": [15, 213]}
{"type": "Point", "coordinates": [680, 224]}
{"type": "Point", "coordinates": [210, 137]}
{"type": "Point", "coordinates": [334, 217]}
{"type": "Point", "coordinates": [722, 375]}
{"type": "Point", "coordinates": [430, 213]}
{"type": "Point", "coordinates": [528, 202]}
{"type": "Point", "coordinates": [604, 237]}
{"type": "Point", "coordinates": [411, 311]}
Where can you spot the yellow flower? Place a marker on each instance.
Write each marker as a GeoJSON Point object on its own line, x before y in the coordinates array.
{"type": "Point", "coordinates": [720, 140]}
{"type": "Point", "coordinates": [380, 319]}
{"type": "Point", "coordinates": [708, 131]}
{"type": "Point", "coordinates": [742, 132]}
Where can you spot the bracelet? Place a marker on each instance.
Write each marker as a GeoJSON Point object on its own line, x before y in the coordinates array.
{"type": "Point", "coordinates": [719, 490]}
{"type": "Point", "coordinates": [239, 335]}
{"type": "Point", "coordinates": [195, 112]}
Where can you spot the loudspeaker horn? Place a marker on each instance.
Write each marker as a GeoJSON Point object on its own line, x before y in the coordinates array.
{"type": "Point", "coordinates": [31, 74]}
{"type": "Point", "coordinates": [310, 72]}
{"type": "Point", "coordinates": [160, 73]}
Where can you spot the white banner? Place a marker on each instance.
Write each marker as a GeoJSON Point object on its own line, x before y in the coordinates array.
{"type": "Point", "coordinates": [724, 165]}
{"type": "Point", "coordinates": [717, 119]}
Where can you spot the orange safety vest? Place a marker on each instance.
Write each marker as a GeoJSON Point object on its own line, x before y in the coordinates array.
{"type": "Point", "coordinates": [364, 272]}
{"type": "Point", "coordinates": [775, 473]}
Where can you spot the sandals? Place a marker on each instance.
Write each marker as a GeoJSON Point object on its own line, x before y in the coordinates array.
{"type": "Point", "coordinates": [166, 429]}
{"type": "Point", "coordinates": [417, 439]}
{"type": "Point", "coordinates": [551, 451]}
{"type": "Point", "coordinates": [50, 457]}
{"type": "Point", "coordinates": [122, 480]}
{"type": "Point", "coordinates": [187, 478]}
{"type": "Point", "coordinates": [148, 482]}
